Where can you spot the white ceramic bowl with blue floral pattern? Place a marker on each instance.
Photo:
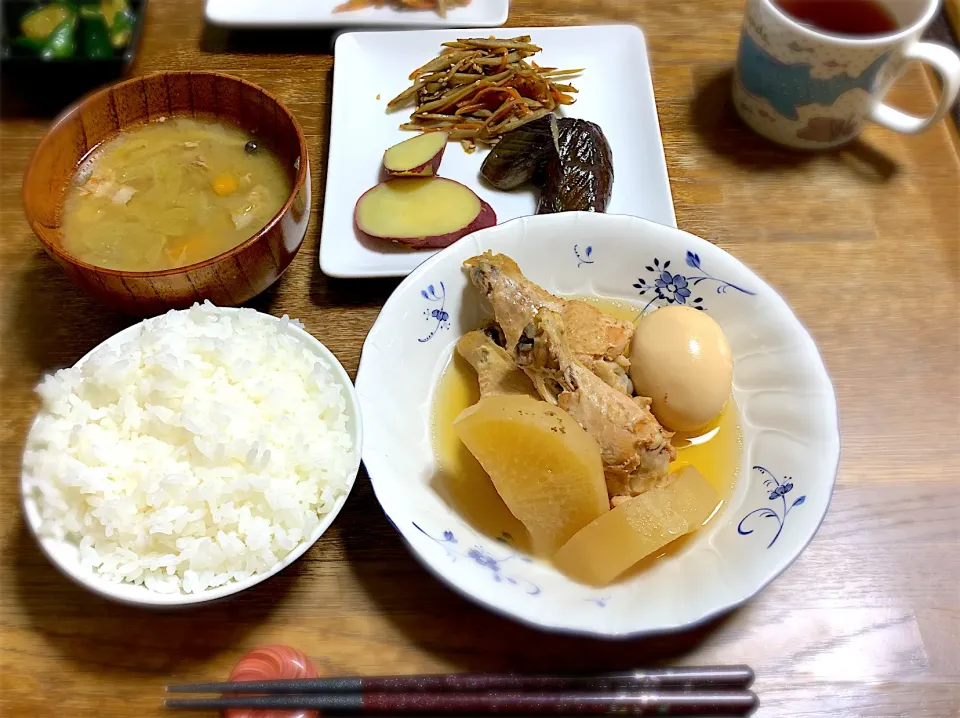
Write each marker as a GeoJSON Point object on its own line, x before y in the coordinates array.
{"type": "Point", "coordinates": [788, 415]}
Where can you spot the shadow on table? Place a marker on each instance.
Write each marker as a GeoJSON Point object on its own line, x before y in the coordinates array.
{"type": "Point", "coordinates": [461, 633]}
{"type": "Point", "coordinates": [51, 322]}
{"type": "Point", "coordinates": [714, 119]}
{"type": "Point", "coordinates": [326, 290]}
{"type": "Point", "coordinates": [261, 41]}
{"type": "Point", "coordinates": [94, 631]}
{"type": "Point", "coordinates": [21, 99]}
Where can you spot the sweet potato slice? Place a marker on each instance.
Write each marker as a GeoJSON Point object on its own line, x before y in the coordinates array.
{"type": "Point", "coordinates": [421, 213]}
{"type": "Point", "coordinates": [417, 157]}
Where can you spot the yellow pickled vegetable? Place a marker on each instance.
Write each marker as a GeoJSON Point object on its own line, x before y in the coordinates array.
{"type": "Point", "coordinates": [545, 467]}
{"type": "Point", "coordinates": [38, 24]}
{"type": "Point", "coordinates": [610, 545]}
{"type": "Point", "coordinates": [110, 8]}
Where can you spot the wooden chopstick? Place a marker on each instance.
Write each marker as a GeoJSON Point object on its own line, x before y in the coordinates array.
{"type": "Point", "coordinates": [665, 703]}
{"type": "Point", "coordinates": [706, 677]}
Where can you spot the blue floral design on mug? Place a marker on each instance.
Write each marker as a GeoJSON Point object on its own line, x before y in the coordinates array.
{"type": "Point", "coordinates": [787, 86]}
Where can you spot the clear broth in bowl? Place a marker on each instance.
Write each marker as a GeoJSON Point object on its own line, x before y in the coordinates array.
{"type": "Point", "coordinates": [170, 194]}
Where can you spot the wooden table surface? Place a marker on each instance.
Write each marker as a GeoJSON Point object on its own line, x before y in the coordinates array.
{"type": "Point", "coordinates": [864, 243]}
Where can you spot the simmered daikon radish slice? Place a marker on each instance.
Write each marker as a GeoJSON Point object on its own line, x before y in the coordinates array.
{"type": "Point", "coordinates": [611, 544]}
{"type": "Point", "coordinates": [544, 466]}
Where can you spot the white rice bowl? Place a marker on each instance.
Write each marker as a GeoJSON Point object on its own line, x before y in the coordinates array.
{"type": "Point", "coordinates": [191, 455]}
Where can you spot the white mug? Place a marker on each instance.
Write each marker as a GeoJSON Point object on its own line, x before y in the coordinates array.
{"type": "Point", "coordinates": [805, 87]}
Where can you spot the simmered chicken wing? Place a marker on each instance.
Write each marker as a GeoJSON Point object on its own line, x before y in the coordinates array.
{"type": "Point", "coordinates": [636, 450]}
{"type": "Point", "coordinates": [515, 299]}
{"type": "Point", "coordinates": [597, 340]}
{"type": "Point", "coordinates": [496, 370]}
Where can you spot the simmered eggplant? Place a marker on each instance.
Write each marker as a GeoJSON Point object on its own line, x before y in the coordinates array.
{"type": "Point", "coordinates": [580, 177]}
{"type": "Point", "coordinates": [522, 154]}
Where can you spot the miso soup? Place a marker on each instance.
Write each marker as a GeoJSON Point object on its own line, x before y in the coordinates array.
{"type": "Point", "coordinates": [171, 193]}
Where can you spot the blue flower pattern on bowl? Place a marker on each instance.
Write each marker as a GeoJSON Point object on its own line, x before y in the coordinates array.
{"type": "Point", "coordinates": [482, 557]}
{"type": "Point", "coordinates": [436, 314]}
{"type": "Point", "coordinates": [675, 288]}
{"type": "Point", "coordinates": [583, 257]}
{"type": "Point", "coordinates": [775, 490]}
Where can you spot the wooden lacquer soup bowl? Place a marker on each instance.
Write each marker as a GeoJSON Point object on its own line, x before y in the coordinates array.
{"type": "Point", "coordinates": [227, 279]}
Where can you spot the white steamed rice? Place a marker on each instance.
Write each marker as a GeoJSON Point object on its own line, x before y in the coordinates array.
{"type": "Point", "coordinates": [199, 452]}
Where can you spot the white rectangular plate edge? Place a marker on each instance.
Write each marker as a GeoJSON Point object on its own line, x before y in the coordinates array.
{"type": "Point", "coordinates": [319, 13]}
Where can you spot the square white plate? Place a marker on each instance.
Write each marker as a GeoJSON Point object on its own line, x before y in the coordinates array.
{"type": "Point", "coordinates": [319, 13]}
{"type": "Point", "coordinates": [371, 68]}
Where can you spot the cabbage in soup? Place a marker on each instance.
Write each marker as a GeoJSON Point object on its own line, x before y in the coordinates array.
{"type": "Point", "coordinates": [171, 193]}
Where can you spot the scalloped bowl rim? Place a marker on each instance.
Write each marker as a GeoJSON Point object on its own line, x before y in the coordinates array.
{"type": "Point", "coordinates": [379, 469]}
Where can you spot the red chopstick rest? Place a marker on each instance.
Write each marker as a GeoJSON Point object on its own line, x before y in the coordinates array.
{"type": "Point", "coordinates": [270, 663]}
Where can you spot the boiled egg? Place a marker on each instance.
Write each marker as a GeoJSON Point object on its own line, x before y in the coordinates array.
{"type": "Point", "coordinates": [681, 359]}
